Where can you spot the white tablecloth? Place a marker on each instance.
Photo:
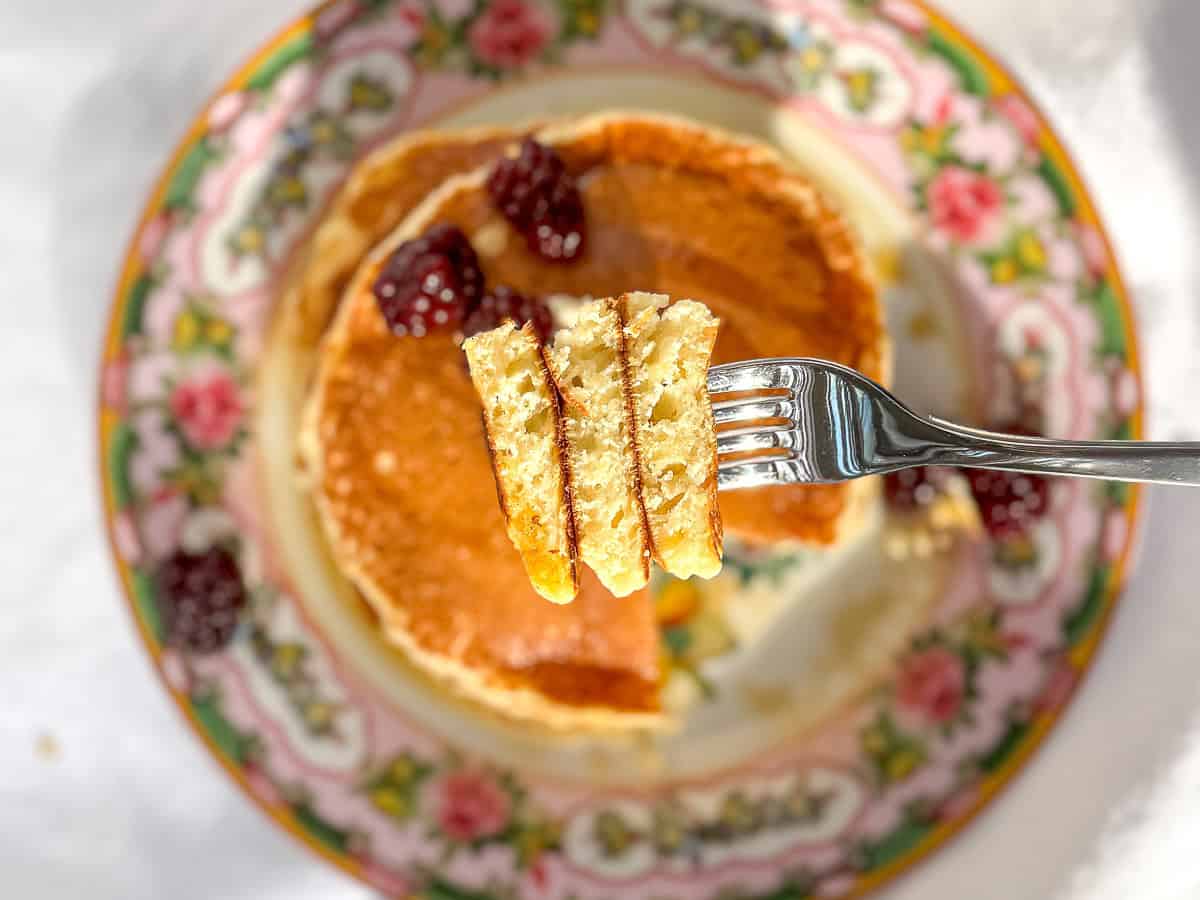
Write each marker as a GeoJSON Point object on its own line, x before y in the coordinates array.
{"type": "Point", "coordinates": [103, 794]}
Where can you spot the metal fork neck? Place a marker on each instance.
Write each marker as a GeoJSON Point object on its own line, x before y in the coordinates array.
{"type": "Point", "coordinates": [1159, 463]}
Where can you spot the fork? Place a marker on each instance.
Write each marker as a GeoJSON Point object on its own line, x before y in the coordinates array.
{"type": "Point", "coordinates": [824, 423]}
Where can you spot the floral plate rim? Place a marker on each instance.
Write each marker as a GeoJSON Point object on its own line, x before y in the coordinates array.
{"type": "Point", "coordinates": [1083, 654]}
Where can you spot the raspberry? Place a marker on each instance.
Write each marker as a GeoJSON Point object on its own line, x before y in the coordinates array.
{"type": "Point", "coordinates": [910, 489]}
{"type": "Point", "coordinates": [502, 303]}
{"type": "Point", "coordinates": [540, 199]}
{"type": "Point", "coordinates": [429, 284]}
{"type": "Point", "coordinates": [202, 596]}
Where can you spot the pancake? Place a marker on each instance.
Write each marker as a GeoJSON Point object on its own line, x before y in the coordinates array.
{"type": "Point", "coordinates": [392, 438]}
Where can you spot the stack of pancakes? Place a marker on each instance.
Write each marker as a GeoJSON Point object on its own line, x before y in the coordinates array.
{"type": "Point", "coordinates": [392, 445]}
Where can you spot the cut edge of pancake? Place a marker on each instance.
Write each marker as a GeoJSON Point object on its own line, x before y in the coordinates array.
{"type": "Point", "coordinates": [524, 428]}
{"type": "Point", "coordinates": [590, 369]}
{"type": "Point", "coordinates": [520, 702]}
{"type": "Point", "coordinates": [669, 351]}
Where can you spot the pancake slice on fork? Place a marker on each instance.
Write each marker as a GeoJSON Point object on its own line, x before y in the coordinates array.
{"type": "Point", "coordinates": [525, 436]}
{"type": "Point", "coordinates": [590, 370]}
{"type": "Point", "coordinates": [669, 349]}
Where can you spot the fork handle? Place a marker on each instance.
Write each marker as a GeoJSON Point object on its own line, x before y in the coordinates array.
{"type": "Point", "coordinates": [1147, 461]}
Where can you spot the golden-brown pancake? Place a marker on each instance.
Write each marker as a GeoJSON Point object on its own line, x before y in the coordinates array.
{"type": "Point", "coordinates": [392, 439]}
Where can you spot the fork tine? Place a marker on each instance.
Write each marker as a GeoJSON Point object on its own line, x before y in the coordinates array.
{"type": "Point", "coordinates": [748, 376]}
{"type": "Point", "coordinates": [755, 473]}
{"type": "Point", "coordinates": [748, 409]}
{"type": "Point", "coordinates": [770, 437]}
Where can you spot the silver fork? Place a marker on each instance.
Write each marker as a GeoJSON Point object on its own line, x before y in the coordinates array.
{"type": "Point", "coordinates": [826, 423]}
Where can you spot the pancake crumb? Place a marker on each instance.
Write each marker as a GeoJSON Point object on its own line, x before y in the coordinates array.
{"type": "Point", "coordinates": [46, 747]}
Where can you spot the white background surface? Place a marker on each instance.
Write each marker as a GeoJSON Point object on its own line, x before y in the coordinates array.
{"type": "Point", "coordinates": [103, 794]}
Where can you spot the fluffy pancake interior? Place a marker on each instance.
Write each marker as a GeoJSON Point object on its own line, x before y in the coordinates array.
{"type": "Point", "coordinates": [588, 366]}
{"type": "Point", "coordinates": [669, 351]}
{"type": "Point", "coordinates": [522, 422]}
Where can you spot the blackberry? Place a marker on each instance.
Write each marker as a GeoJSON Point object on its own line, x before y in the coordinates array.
{"type": "Point", "coordinates": [502, 303]}
{"type": "Point", "coordinates": [202, 597]}
{"type": "Point", "coordinates": [540, 199]}
{"type": "Point", "coordinates": [429, 284]}
{"type": "Point", "coordinates": [1009, 502]}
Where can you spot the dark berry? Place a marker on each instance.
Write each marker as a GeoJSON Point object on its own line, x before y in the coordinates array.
{"type": "Point", "coordinates": [910, 489]}
{"type": "Point", "coordinates": [202, 596]}
{"type": "Point", "coordinates": [501, 303]}
{"type": "Point", "coordinates": [1009, 502]}
{"type": "Point", "coordinates": [540, 199]}
{"type": "Point", "coordinates": [429, 284]}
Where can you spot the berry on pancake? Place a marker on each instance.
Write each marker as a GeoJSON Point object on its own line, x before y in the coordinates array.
{"type": "Point", "coordinates": [430, 283]}
{"type": "Point", "coordinates": [534, 191]}
{"type": "Point", "coordinates": [502, 303]}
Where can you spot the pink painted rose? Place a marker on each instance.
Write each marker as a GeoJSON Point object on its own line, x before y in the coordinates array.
{"type": "Point", "coordinates": [1022, 116]}
{"type": "Point", "coordinates": [226, 109]}
{"type": "Point", "coordinates": [157, 454]}
{"type": "Point", "coordinates": [907, 15]}
{"type": "Point", "coordinates": [162, 522]}
{"type": "Point", "coordinates": [208, 407]}
{"type": "Point", "coordinates": [1116, 534]}
{"type": "Point", "coordinates": [163, 307]}
{"type": "Point", "coordinates": [509, 33]}
{"type": "Point", "coordinates": [114, 383]}
{"type": "Point", "coordinates": [334, 18]}
{"type": "Point", "coordinates": [1015, 641]}
{"type": "Point", "coordinates": [154, 233]}
{"type": "Point", "coordinates": [469, 805]}
{"type": "Point", "coordinates": [539, 875]}
{"type": "Point", "coordinates": [412, 15]}
{"type": "Point", "coordinates": [264, 787]}
{"type": "Point", "coordinates": [964, 204]}
{"type": "Point", "coordinates": [125, 538]}
{"type": "Point", "coordinates": [838, 884]}
{"type": "Point", "coordinates": [453, 10]}
{"type": "Point", "coordinates": [386, 880]}
{"type": "Point", "coordinates": [1126, 392]}
{"type": "Point", "coordinates": [960, 804]}
{"type": "Point", "coordinates": [1059, 685]}
{"type": "Point", "coordinates": [932, 683]}
{"type": "Point", "coordinates": [1094, 250]}
{"type": "Point", "coordinates": [175, 671]}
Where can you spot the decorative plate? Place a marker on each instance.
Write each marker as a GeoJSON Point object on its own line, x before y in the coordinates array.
{"type": "Point", "coordinates": [819, 763]}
